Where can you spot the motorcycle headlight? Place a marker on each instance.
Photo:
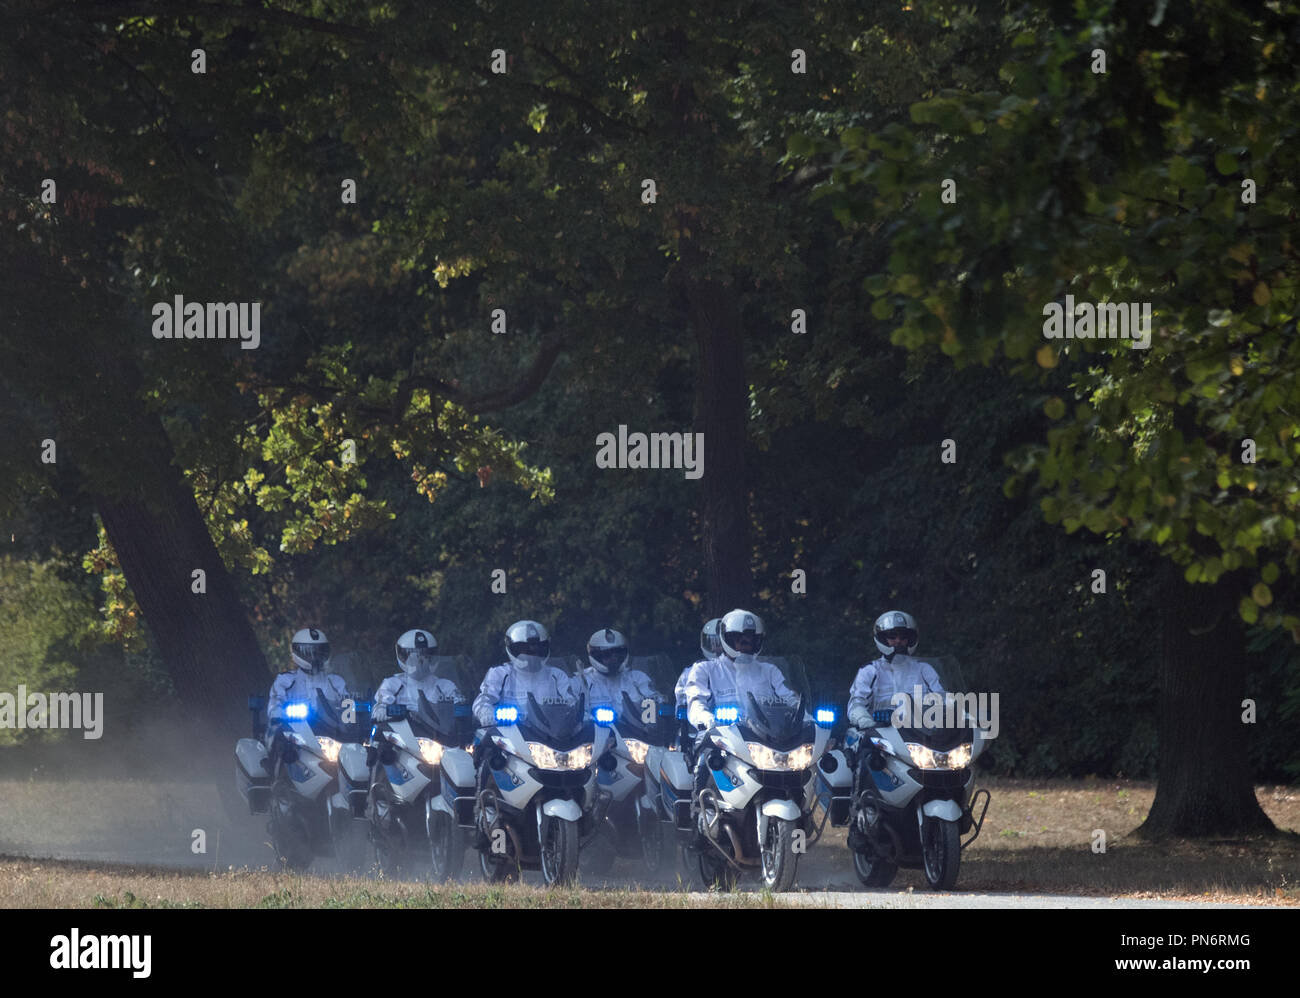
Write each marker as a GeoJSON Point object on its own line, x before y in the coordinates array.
{"type": "Point", "coordinates": [430, 751]}
{"type": "Point", "coordinates": [329, 748]}
{"type": "Point", "coordinates": [580, 758]}
{"type": "Point", "coordinates": [922, 756]}
{"type": "Point", "coordinates": [545, 757]}
{"type": "Point", "coordinates": [638, 750]}
{"type": "Point", "coordinates": [766, 758]}
{"type": "Point", "coordinates": [800, 758]}
{"type": "Point", "coordinates": [959, 758]}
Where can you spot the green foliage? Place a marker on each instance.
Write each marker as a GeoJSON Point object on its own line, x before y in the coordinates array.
{"type": "Point", "coordinates": [42, 629]}
{"type": "Point", "coordinates": [1121, 192]}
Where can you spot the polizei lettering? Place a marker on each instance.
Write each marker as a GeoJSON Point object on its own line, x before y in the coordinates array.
{"type": "Point", "coordinates": [91, 952]}
{"type": "Point", "coordinates": [179, 319]}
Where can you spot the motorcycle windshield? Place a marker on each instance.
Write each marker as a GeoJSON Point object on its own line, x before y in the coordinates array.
{"type": "Point", "coordinates": [636, 694]}
{"type": "Point", "coordinates": [941, 722]}
{"type": "Point", "coordinates": [444, 721]}
{"type": "Point", "coordinates": [560, 725]}
{"type": "Point", "coordinates": [771, 703]}
{"type": "Point", "coordinates": [328, 721]}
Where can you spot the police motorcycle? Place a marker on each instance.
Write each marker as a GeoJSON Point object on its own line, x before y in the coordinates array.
{"type": "Point", "coordinates": [626, 813]}
{"type": "Point", "coordinates": [668, 783]}
{"type": "Point", "coordinates": [755, 807]}
{"type": "Point", "coordinates": [536, 788]}
{"type": "Point", "coordinates": [421, 781]}
{"type": "Point", "coordinates": [295, 778]}
{"type": "Point", "coordinates": [910, 798]}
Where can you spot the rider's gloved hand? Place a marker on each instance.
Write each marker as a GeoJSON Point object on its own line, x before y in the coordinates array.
{"type": "Point", "coordinates": [379, 713]}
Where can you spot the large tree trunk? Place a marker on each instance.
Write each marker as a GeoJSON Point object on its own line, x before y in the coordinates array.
{"type": "Point", "coordinates": [722, 403]}
{"type": "Point", "coordinates": [206, 642]}
{"type": "Point", "coordinates": [1204, 785]}
{"type": "Point", "coordinates": [713, 306]}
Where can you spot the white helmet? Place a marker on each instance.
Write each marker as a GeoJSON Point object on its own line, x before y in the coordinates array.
{"type": "Point", "coordinates": [310, 650]}
{"type": "Point", "coordinates": [607, 651]}
{"type": "Point", "coordinates": [528, 645]}
{"type": "Point", "coordinates": [417, 653]}
{"type": "Point", "coordinates": [887, 624]}
{"type": "Point", "coordinates": [740, 624]}
{"type": "Point", "coordinates": [710, 643]}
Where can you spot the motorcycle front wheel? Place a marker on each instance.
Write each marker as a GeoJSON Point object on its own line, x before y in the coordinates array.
{"type": "Point", "coordinates": [385, 834]}
{"type": "Point", "coordinates": [779, 860]}
{"type": "Point", "coordinates": [559, 851]}
{"type": "Point", "coordinates": [941, 852]}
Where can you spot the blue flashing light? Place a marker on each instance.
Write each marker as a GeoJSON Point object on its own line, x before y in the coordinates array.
{"type": "Point", "coordinates": [727, 715]}
{"type": "Point", "coordinates": [825, 717]}
{"type": "Point", "coordinates": [604, 716]}
{"type": "Point", "coordinates": [295, 711]}
{"type": "Point", "coordinates": [507, 715]}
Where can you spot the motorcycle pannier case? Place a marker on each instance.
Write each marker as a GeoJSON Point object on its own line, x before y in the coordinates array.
{"type": "Point", "coordinates": [251, 778]}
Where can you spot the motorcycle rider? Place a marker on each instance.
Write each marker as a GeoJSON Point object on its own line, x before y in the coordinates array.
{"type": "Point", "coordinates": [310, 650]}
{"type": "Point", "coordinates": [607, 678]}
{"type": "Point", "coordinates": [734, 673]}
{"type": "Point", "coordinates": [895, 672]}
{"type": "Point", "coordinates": [528, 647]}
{"type": "Point", "coordinates": [711, 648]}
{"type": "Point", "coordinates": [418, 660]}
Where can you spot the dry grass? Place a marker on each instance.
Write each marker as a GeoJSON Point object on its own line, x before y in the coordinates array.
{"type": "Point", "coordinates": [74, 884]}
{"type": "Point", "coordinates": [1039, 835]}
{"type": "Point", "coordinates": [1037, 839]}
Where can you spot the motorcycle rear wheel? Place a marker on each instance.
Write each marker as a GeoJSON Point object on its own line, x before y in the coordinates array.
{"type": "Point", "coordinates": [290, 837]}
{"type": "Point", "coordinates": [873, 871]}
{"type": "Point", "coordinates": [651, 834]}
{"type": "Point", "coordinates": [498, 871]}
{"type": "Point", "coordinates": [715, 871]}
{"type": "Point", "coordinates": [446, 846]}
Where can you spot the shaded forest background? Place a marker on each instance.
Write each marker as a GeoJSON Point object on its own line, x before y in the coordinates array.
{"type": "Point", "coordinates": [476, 449]}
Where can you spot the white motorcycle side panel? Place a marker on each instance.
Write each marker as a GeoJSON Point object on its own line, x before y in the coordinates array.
{"type": "Point", "coordinates": [840, 781]}
{"type": "Point", "coordinates": [250, 753]}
